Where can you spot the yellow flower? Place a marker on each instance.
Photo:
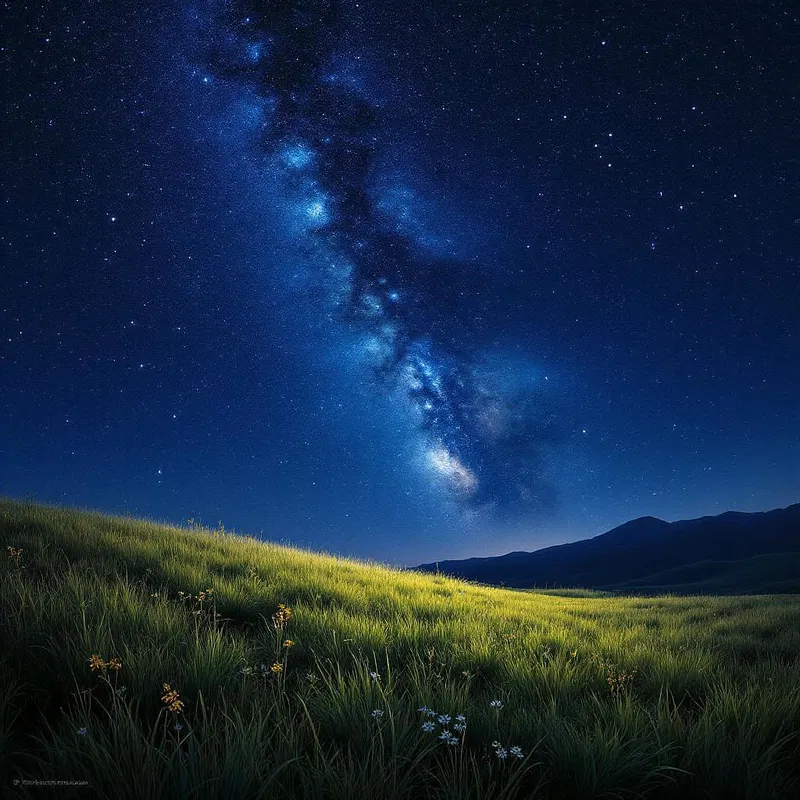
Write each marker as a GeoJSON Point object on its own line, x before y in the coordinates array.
{"type": "Point", "coordinates": [276, 668]}
{"type": "Point", "coordinates": [288, 643]}
{"type": "Point", "coordinates": [96, 663]}
{"type": "Point", "coordinates": [171, 699]}
{"type": "Point", "coordinates": [282, 616]}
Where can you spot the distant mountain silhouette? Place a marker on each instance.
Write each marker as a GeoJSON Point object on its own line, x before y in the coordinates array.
{"type": "Point", "coordinates": [651, 554]}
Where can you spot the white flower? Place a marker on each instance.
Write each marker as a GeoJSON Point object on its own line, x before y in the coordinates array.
{"type": "Point", "coordinates": [82, 731]}
{"type": "Point", "coordinates": [430, 713]}
{"type": "Point", "coordinates": [516, 751]}
{"type": "Point", "coordinates": [375, 676]}
{"type": "Point", "coordinates": [423, 710]}
{"type": "Point", "coordinates": [178, 727]}
{"type": "Point", "coordinates": [448, 737]}
{"type": "Point", "coordinates": [502, 753]}
{"type": "Point", "coordinates": [461, 718]}
{"type": "Point", "coordinates": [377, 713]}
{"type": "Point", "coordinates": [460, 727]}
{"type": "Point", "coordinates": [498, 704]}
{"type": "Point", "coordinates": [428, 727]}
{"type": "Point", "coordinates": [443, 719]}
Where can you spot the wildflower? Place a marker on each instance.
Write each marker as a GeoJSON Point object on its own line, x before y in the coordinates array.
{"type": "Point", "coordinates": [498, 704]}
{"type": "Point", "coordinates": [459, 727]}
{"type": "Point", "coordinates": [501, 753]}
{"type": "Point", "coordinates": [171, 699]}
{"type": "Point", "coordinates": [443, 719]}
{"type": "Point", "coordinates": [448, 737]}
{"type": "Point", "coordinates": [154, 595]}
{"type": "Point", "coordinates": [619, 682]}
{"type": "Point", "coordinates": [466, 673]}
{"type": "Point", "coordinates": [377, 714]}
{"type": "Point", "coordinates": [375, 676]}
{"type": "Point", "coordinates": [282, 616]}
{"type": "Point", "coordinates": [177, 727]}
{"type": "Point", "coordinates": [96, 663]}
{"type": "Point", "coordinates": [496, 744]}
{"type": "Point", "coordinates": [461, 718]}
{"type": "Point", "coordinates": [515, 751]}
{"type": "Point", "coordinates": [247, 670]}
{"type": "Point", "coordinates": [121, 691]}
{"type": "Point", "coordinates": [423, 710]}
{"type": "Point", "coordinates": [114, 664]}
{"type": "Point", "coordinates": [15, 554]}
{"type": "Point", "coordinates": [428, 727]}
{"type": "Point", "coordinates": [312, 677]}
{"type": "Point", "coordinates": [276, 668]}
{"type": "Point", "coordinates": [82, 731]}
{"type": "Point", "coordinates": [288, 643]}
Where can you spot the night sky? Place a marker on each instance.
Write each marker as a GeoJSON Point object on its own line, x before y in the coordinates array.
{"type": "Point", "coordinates": [404, 281]}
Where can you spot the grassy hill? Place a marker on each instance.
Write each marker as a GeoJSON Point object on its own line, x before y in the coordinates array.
{"type": "Point", "coordinates": [154, 661]}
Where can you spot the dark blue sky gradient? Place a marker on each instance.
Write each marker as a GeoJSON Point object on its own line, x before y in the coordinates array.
{"type": "Point", "coordinates": [405, 281]}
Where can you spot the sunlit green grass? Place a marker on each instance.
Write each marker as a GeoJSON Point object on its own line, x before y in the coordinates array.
{"type": "Point", "coordinates": [709, 706]}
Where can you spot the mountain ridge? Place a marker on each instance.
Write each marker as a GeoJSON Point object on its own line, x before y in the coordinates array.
{"type": "Point", "coordinates": [633, 551]}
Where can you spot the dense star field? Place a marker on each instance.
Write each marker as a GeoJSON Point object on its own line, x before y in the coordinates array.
{"type": "Point", "coordinates": [407, 281]}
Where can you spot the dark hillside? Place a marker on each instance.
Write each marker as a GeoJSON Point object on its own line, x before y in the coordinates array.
{"type": "Point", "coordinates": [643, 547]}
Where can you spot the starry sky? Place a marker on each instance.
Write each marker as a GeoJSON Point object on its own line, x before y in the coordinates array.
{"type": "Point", "coordinates": [403, 281]}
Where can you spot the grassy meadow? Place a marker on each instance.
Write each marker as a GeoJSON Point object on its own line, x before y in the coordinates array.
{"type": "Point", "coordinates": [139, 660]}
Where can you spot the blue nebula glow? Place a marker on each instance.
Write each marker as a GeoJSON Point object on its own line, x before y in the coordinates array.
{"type": "Point", "coordinates": [316, 212]}
{"type": "Point", "coordinates": [254, 51]}
{"type": "Point", "coordinates": [297, 155]}
{"type": "Point", "coordinates": [365, 237]}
